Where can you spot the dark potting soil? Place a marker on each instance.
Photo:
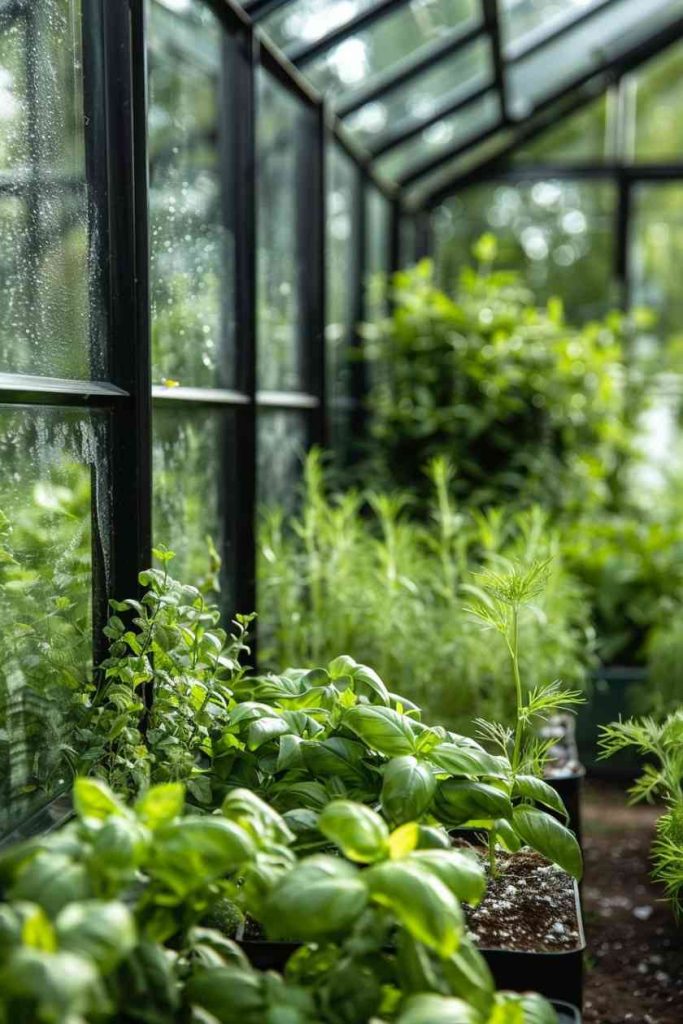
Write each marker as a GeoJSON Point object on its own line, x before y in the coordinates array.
{"type": "Point", "coordinates": [634, 963]}
{"type": "Point", "coordinates": [529, 908]}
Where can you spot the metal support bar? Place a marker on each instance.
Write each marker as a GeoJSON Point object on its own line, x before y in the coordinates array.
{"type": "Point", "coordinates": [358, 369]}
{"type": "Point", "coordinates": [363, 19]}
{"type": "Point", "coordinates": [260, 9]}
{"type": "Point", "coordinates": [433, 163]}
{"type": "Point", "coordinates": [622, 240]}
{"type": "Point", "coordinates": [492, 23]}
{"type": "Point", "coordinates": [392, 140]}
{"type": "Point", "coordinates": [408, 70]}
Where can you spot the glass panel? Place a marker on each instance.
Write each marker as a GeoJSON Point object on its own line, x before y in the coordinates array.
{"type": "Point", "coordinates": [366, 55]}
{"type": "Point", "coordinates": [45, 264]}
{"type": "Point", "coordinates": [656, 257]}
{"type": "Point", "coordinates": [307, 21]}
{"type": "Point", "coordinates": [52, 471]}
{"type": "Point", "coordinates": [605, 36]}
{"type": "Point", "coordinates": [579, 137]}
{"type": "Point", "coordinates": [194, 490]}
{"type": "Point", "coordinates": [445, 175]}
{"type": "Point", "coordinates": [282, 442]}
{"type": "Point", "coordinates": [279, 126]}
{"type": "Point", "coordinates": [377, 236]}
{"type": "Point", "coordinates": [560, 234]}
{"type": "Point", "coordinates": [414, 101]}
{"type": "Point", "coordinates": [658, 91]}
{"type": "Point", "coordinates": [443, 135]}
{"type": "Point", "coordinates": [192, 249]}
{"type": "Point", "coordinates": [408, 241]}
{"type": "Point", "coordinates": [341, 178]}
{"type": "Point", "coordinates": [521, 17]}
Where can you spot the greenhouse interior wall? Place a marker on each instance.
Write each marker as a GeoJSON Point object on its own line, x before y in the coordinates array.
{"type": "Point", "coordinates": [248, 249]}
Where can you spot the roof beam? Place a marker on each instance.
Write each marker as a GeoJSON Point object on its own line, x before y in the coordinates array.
{"type": "Point", "coordinates": [492, 24]}
{"type": "Point", "coordinates": [307, 51]}
{"type": "Point", "coordinates": [391, 140]}
{"type": "Point", "coordinates": [546, 113]}
{"type": "Point", "coordinates": [407, 70]}
{"type": "Point", "coordinates": [260, 9]}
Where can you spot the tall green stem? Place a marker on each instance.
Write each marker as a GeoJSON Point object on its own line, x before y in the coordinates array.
{"type": "Point", "coordinates": [513, 646]}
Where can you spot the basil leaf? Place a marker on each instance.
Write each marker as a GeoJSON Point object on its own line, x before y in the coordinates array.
{"type": "Point", "coordinates": [459, 801]}
{"type": "Point", "coordinates": [161, 804]}
{"type": "Point", "coordinates": [433, 1009]}
{"type": "Point", "coordinates": [52, 880]}
{"type": "Point", "coordinates": [540, 792]}
{"type": "Point", "coordinates": [469, 977]}
{"type": "Point", "coordinates": [100, 931]}
{"type": "Point", "coordinates": [263, 730]}
{"type": "Point", "coordinates": [94, 801]}
{"type": "Point", "coordinates": [407, 790]}
{"type": "Point", "coordinates": [357, 830]}
{"type": "Point", "coordinates": [335, 756]}
{"type": "Point", "coordinates": [419, 901]}
{"type": "Point", "coordinates": [462, 872]}
{"type": "Point", "coordinates": [196, 850]}
{"type": "Point", "coordinates": [546, 835]}
{"type": "Point", "coordinates": [319, 898]}
{"type": "Point", "coordinates": [459, 760]}
{"type": "Point", "coordinates": [382, 729]}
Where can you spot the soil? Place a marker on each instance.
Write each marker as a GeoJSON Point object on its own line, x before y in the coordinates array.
{"type": "Point", "coordinates": [634, 964]}
{"type": "Point", "coordinates": [529, 907]}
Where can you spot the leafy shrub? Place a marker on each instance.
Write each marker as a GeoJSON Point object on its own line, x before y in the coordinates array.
{"type": "Point", "coordinates": [358, 573]}
{"type": "Point", "coordinates": [662, 777]}
{"type": "Point", "coordinates": [526, 407]}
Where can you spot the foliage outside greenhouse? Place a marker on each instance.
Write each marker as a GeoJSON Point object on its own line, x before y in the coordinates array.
{"type": "Point", "coordinates": [341, 586]}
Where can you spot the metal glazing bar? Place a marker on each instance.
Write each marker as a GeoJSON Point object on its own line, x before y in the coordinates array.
{"type": "Point", "coordinates": [58, 391]}
{"type": "Point", "coordinates": [287, 400]}
{"type": "Point", "coordinates": [310, 242]}
{"type": "Point", "coordinates": [260, 9]}
{"type": "Point", "coordinates": [492, 23]}
{"type": "Point", "coordinates": [360, 158]}
{"type": "Point", "coordinates": [231, 15]}
{"type": "Point", "coordinates": [432, 163]}
{"type": "Point", "coordinates": [277, 65]}
{"type": "Point", "coordinates": [125, 131]}
{"type": "Point", "coordinates": [408, 70]}
{"type": "Point", "coordinates": [390, 140]}
{"type": "Point", "coordinates": [363, 19]}
{"type": "Point", "coordinates": [198, 396]}
{"type": "Point", "coordinates": [395, 215]}
{"type": "Point", "coordinates": [358, 371]}
{"type": "Point", "coordinates": [241, 195]}
{"type": "Point", "coordinates": [622, 240]}
{"type": "Point", "coordinates": [542, 37]}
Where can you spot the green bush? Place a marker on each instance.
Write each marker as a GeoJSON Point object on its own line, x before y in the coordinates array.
{"type": "Point", "coordinates": [358, 573]}
{"type": "Point", "coordinates": [525, 406]}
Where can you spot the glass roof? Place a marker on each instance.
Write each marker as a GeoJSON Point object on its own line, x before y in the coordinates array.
{"type": "Point", "coordinates": [428, 87]}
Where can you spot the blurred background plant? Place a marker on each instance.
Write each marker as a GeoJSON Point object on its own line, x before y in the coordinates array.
{"type": "Point", "coordinates": [358, 571]}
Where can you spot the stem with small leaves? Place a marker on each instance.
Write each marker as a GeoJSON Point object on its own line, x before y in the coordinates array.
{"type": "Point", "coordinates": [513, 647]}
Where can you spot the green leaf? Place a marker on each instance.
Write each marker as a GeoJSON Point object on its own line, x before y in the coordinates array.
{"type": "Point", "coordinates": [527, 1008]}
{"type": "Point", "coordinates": [546, 835]}
{"type": "Point", "coordinates": [458, 802]}
{"type": "Point", "coordinates": [94, 801]}
{"type": "Point", "coordinates": [51, 880]}
{"type": "Point", "coordinates": [357, 830]}
{"type": "Point", "coordinates": [335, 756]}
{"type": "Point", "coordinates": [533, 788]}
{"type": "Point", "coordinates": [433, 1009]}
{"type": "Point", "coordinates": [318, 899]}
{"type": "Point", "coordinates": [254, 815]}
{"type": "Point", "coordinates": [194, 851]}
{"type": "Point", "coordinates": [467, 760]}
{"type": "Point", "coordinates": [462, 872]}
{"type": "Point", "coordinates": [506, 835]}
{"type": "Point", "coordinates": [100, 931]}
{"type": "Point", "coordinates": [263, 730]}
{"type": "Point", "coordinates": [38, 932]}
{"type": "Point", "coordinates": [382, 729]}
{"type": "Point", "coordinates": [407, 789]}
{"type": "Point", "coordinates": [419, 901]}
{"type": "Point", "coordinates": [368, 684]}
{"type": "Point", "coordinates": [232, 995]}
{"type": "Point", "coordinates": [62, 984]}
{"type": "Point", "coordinates": [161, 804]}
{"type": "Point", "coordinates": [469, 977]}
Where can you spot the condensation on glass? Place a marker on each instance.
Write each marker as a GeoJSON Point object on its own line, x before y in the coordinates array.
{"type": "Point", "coordinates": [282, 444]}
{"type": "Point", "coordinates": [194, 485]}
{"type": "Point", "coordinates": [372, 54]}
{"type": "Point", "coordinates": [55, 524]}
{"type": "Point", "coordinates": [445, 82]}
{"type": "Point", "coordinates": [558, 233]}
{"type": "Point", "coordinates": [340, 248]}
{"type": "Point", "coordinates": [49, 261]}
{"type": "Point", "coordinates": [192, 244]}
{"type": "Point", "coordinates": [280, 130]}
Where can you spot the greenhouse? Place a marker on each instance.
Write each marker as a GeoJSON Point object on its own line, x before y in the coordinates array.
{"type": "Point", "coordinates": [341, 494]}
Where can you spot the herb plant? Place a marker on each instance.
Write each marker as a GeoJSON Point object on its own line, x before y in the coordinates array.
{"type": "Point", "coordinates": [661, 778]}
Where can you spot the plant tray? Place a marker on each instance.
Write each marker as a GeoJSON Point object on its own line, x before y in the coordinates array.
{"type": "Point", "coordinates": [568, 785]}
{"type": "Point", "coordinates": [566, 1014]}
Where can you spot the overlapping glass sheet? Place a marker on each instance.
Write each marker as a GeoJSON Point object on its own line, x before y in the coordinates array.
{"type": "Point", "coordinates": [420, 81]}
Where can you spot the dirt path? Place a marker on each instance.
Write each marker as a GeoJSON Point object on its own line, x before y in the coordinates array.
{"type": "Point", "coordinates": [635, 951]}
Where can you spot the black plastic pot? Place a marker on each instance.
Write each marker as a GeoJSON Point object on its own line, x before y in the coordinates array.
{"type": "Point", "coordinates": [566, 1013]}
{"type": "Point", "coordinates": [568, 785]}
{"type": "Point", "coordinates": [555, 975]}
{"type": "Point", "coordinates": [609, 698]}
